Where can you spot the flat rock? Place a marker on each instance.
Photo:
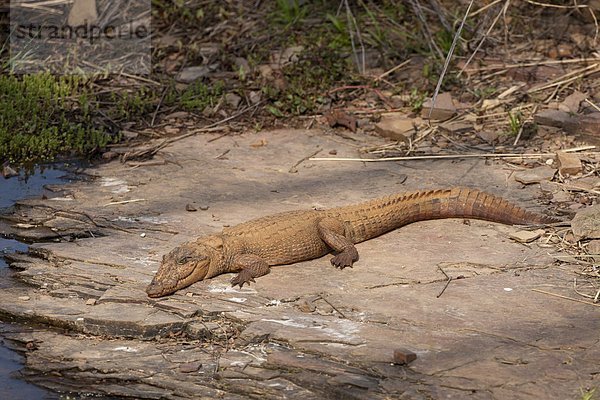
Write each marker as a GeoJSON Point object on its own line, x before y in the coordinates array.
{"type": "Point", "coordinates": [306, 330]}
{"type": "Point", "coordinates": [535, 175]}
{"type": "Point", "coordinates": [457, 126]}
{"type": "Point", "coordinates": [586, 223]}
{"type": "Point", "coordinates": [583, 126]}
{"type": "Point", "coordinates": [568, 163]}
{"type": "Point", "coordinates": [191, 74]}
{"type": "Point", "coordinates": [233, 99]}
{"type": "Point", "coordinates": [396, 126]}
{"type": "Point", "coordinates": [572, 102]}
{"type": "Point", "coordinates": [526, 236]}
{"type": "Point", "coordinates": [442, 110]}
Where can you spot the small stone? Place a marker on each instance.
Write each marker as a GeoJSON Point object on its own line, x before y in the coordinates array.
{"type": "Point", "coordinates": [189, 294]}
{"type": "Point", "coordinates": [559, 119]}
{"type": "Point", "coordinates": [143, 234]}
{"type": "Point", "coordinates": [489, 104]}
{"type": "Point", "coordinates": [190, 207]}
{"type": "Point", "coordinates": [526, 236]}
{"type": "Point", "coordinates": [129, 134]}
{"type": "Point", "coordinates": [233, 99]}
{"type": "Point", "coordinates": [109, 155]}
{"type": "Point", "coordinates": [24, 298]}
{"type": "Point", "coordinates": [254, 97]}
{"type": "Point", "coordinates": [178, 115]}
{"type": "Point", "coordinates": [562, 50]}
{"type": "Point", "coordinates": [404, 356]}
{"type": "Point", "coordinates": [396, 126]}
{"type": "Point", "coordinates": [203, 207]}
{"type": "Point", "coordinates": [456, 126]}
{"type": "Point", "coordinates": [8, 171]}
{"type": "Point", "coordinates": [190, 367]}
{"type": "Point", "coordinates": [572, 102]}
{"type": "Point", "coordinates": [593, 247]}
{"type": "Point", "coordinates": [266, 71]}
{"type": "Point", "coordinates": [288, 55]}
{"type": "Point", "coordinates": [90, 302]}
{"type": "Point", "coordinates": [586, 224]}
{"type": "Point", "coordinates": [489, 136]}
{"type": "Point", "coordinates": [190, 74]}
{"type": "Point", "coordinates": [259, 143]}
{"type": "Point", "coordinates": [568, 163]}
{"type": "Point", "coordinates": [535, 175]}
{"type": "Point", "coordinates": [342, 118]}
{"type": "Point", "coordinates": [443, 109]}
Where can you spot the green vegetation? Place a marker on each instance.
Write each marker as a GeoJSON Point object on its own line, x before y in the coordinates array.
{"type": "Point", "coordinates": [588, 394]}
{"type": "Point", "coordinates": [307, 82]}
{"type": "Point", "coordinates": [289, 12]}
{"type": "Point", "coordinates": [416, 100]}
{"type": "Point", "coordinates": [197, 96]}
{"type": "Point", "coordinates": [515, 121]}
{"type": "Point", "coordinates": [42, 116]}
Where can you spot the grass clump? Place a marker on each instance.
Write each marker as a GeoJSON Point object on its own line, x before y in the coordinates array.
{"type": "Point", "coordinates": [307, 82]}
{"type": "Point", "coordinates": [197, 96]}
{"type": "Point", "coordinates": [42, 116]}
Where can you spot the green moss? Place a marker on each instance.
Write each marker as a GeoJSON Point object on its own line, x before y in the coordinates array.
{"type": "Point", "coordinates": [42, 116]}
{"type": "Point", "coordinates": [197, 96]}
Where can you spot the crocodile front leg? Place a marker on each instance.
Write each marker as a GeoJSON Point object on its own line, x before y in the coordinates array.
{"type": "Point", "coordinates": [250, 266]}
{"type": "Point", "coordinates": [331, 231]}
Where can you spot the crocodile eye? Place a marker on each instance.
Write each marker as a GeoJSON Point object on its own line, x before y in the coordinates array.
{"type": "Point", "coordinates": [184, 259]}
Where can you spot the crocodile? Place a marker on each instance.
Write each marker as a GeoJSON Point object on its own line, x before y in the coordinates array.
{"type": "Point", "coordinates": [251, 248]}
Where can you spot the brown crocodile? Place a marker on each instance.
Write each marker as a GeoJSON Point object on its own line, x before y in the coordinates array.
{"type": "Point", "coordinates": [289, 237]}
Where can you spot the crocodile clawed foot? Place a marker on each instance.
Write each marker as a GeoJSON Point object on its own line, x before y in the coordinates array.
{"type": "Point", "coordinates": [244, 276]}
{"type": "Point", "coordinates": [342, 260]}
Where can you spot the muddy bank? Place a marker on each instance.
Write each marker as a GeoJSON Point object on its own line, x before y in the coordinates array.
{"type": "Point", "coordinates": [305, 330]}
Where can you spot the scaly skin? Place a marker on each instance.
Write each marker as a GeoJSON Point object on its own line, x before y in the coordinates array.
{"type": "Point", "coordinates": [252, 247]}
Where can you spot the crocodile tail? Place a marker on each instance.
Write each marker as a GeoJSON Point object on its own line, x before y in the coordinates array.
{"type": "Point", "coordinates": [468, 203]}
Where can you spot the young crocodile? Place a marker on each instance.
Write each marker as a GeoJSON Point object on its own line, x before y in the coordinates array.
{"type": "Point", "coordinates": [285, 238]}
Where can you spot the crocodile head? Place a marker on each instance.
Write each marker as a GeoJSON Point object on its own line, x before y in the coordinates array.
{"type": "Point", "coordinates": [184, 265]}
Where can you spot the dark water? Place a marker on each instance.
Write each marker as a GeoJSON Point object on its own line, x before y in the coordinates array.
{"type": "Point", "coordinates": [11, 387]}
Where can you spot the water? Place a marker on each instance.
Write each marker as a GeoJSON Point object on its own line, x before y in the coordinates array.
{"type": "Point", "coordinates": [22, 186]}
{"type": "Point", "coordinates": [11, 387]}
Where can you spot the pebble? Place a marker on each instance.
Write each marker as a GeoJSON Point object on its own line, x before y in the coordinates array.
{"type": "Point", "coordinates": [526, 236]}
{"type": "Point", "coordinates": [404, 356]}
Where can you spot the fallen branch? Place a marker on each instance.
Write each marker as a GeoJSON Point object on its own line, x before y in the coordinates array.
{"type": "Point", "coordinates": [437, 157]}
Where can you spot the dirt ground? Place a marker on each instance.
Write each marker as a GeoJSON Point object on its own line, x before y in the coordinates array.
{"type": "Point", "coordinates": [305, 330]}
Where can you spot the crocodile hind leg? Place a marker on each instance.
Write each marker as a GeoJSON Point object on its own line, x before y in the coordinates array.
{"type": "Point", "coordinates": [331, 231]}
{"type": "Point", "coordinates": [251, 266]}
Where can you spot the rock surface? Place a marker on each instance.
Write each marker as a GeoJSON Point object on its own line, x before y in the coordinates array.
{"type": "Point", "coordinates": [586, 224]}
{"type": "Point", "coordinates": [305, 331]}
